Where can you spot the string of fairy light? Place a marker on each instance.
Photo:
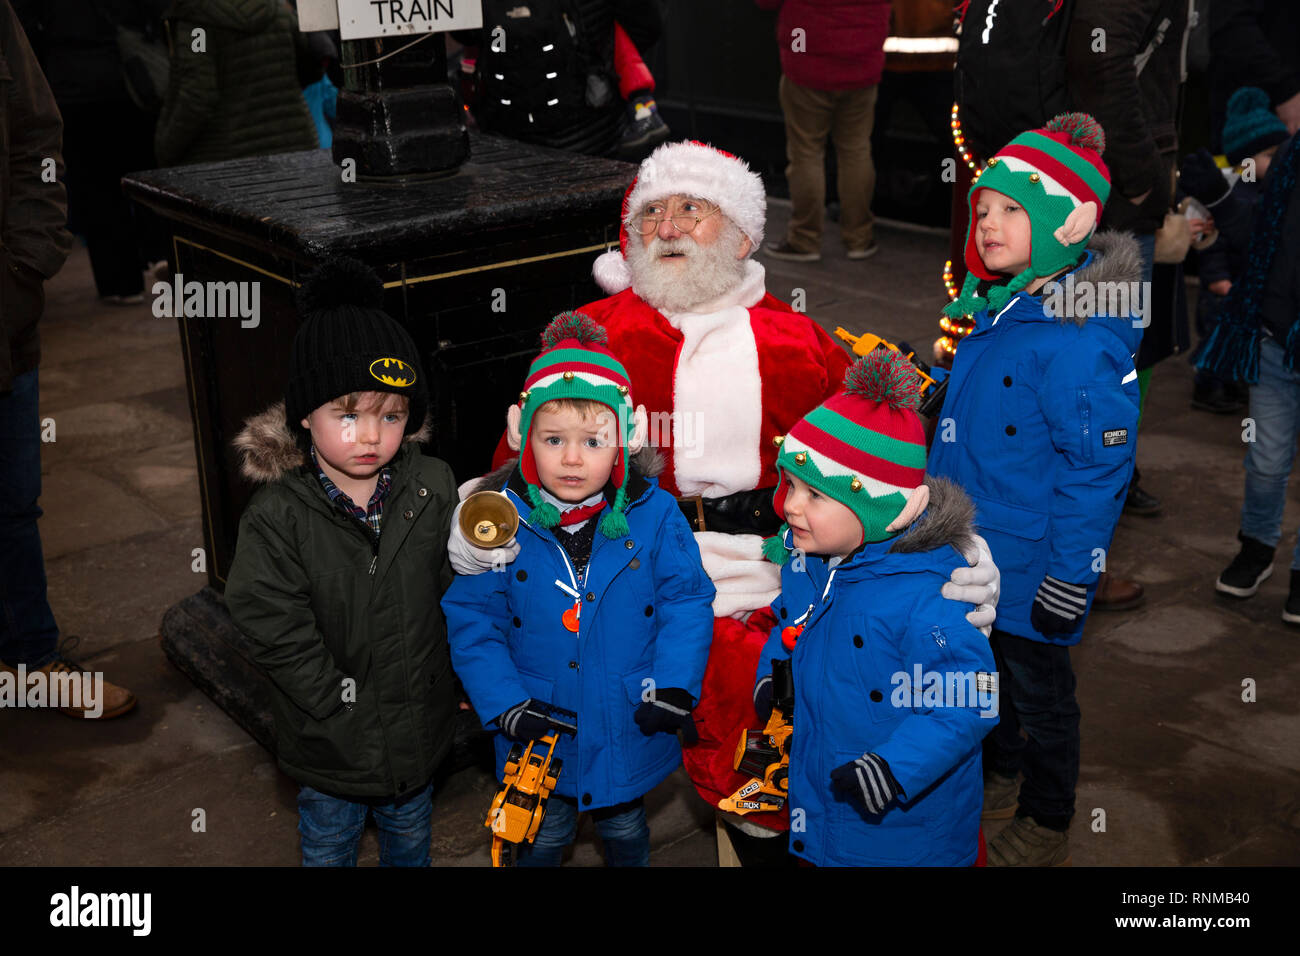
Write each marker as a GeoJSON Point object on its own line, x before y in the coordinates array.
{"type": "Point", "coordinates": [957, 329]}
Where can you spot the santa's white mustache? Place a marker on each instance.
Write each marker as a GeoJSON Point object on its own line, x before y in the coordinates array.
{"type": "Point", "coordinates": [659, 248]}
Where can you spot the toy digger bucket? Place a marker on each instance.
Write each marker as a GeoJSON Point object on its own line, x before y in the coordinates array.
{"type": "Point", "coordinates": [488, 520]}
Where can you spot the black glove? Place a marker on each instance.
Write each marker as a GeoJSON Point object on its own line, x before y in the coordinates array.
{"type": "Point", "coordinates": [1200, 177]}
{"type": "Point", "coordinates": [1057, 606]}
{"type": "Point", "coordinates": [763, 699]}
{"type": "Point", "coordinates": [867, 782]}
{"type": "Point", "coordinates": [523, 727]}
{"type": "Point", "coordinates": [668, 711]}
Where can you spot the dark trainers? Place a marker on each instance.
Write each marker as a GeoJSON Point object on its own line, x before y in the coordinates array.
{"type": "Point", "coordinates": [1139, 502]}
{"type": "Point", "coordinates": [1248, 570]}
{"type": "Point", "coordinates": [1025, 842]}
{"type": "Point", "coordinates": [645, 127]}
{"type": "Point", "coordinates": [1291, 610]}
{"type": "Point", "coordinates": [790, 254]}
{"type": "Point", "coordinates": [1001, 796]}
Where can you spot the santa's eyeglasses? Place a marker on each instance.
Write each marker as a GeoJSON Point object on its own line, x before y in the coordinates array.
{"type": "Point", "coordinates": [684, 221]}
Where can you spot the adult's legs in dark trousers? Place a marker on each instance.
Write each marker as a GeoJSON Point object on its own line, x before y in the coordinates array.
{"type": "Point", "coordinates": [1036, 692]}
{"type": "Point", "coordinates": [28, 634]}
{"type": "Point", "coordinates": [102, 142]}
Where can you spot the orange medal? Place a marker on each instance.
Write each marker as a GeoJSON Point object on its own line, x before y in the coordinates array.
{"type": "Point", "coordinates": [570, 617]}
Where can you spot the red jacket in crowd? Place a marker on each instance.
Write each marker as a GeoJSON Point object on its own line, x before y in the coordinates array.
{"type": "Point", "coordinates": [842, 46]}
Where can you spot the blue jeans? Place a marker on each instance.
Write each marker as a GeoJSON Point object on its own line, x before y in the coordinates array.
{"type": "Point", "coordinates": [331, 828]}
{"type": "Point", "coordinates": [623, 832]}
{"type": "Point", "coordinates": [1275, 408]}
{"type": "Point", "coordinates": [1036, 692]}
{"type": "Point", "coordinates": [28, 634]}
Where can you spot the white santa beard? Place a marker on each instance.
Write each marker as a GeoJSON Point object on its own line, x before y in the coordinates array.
{"type": "Point", "coordinates": [705, 273]}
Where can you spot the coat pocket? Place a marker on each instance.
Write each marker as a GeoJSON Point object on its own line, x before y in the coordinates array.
{"type": "Point", "coordinates": [897, 837]}
{"type": "Point", "coordinates": [641, 756]}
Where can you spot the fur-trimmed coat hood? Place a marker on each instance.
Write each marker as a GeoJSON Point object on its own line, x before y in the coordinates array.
{"type": "Point", "coordinates": [1114, 258]}
{"type": "Point", "coordinates": [268, 450]}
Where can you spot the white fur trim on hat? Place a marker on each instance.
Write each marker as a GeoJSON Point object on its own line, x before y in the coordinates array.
{"type": "Point", "coordinates": [694, 169]}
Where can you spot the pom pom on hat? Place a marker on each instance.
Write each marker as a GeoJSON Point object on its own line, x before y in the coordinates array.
{"type": "Point", "coordinates": [885, 377]}
{"type": "Point", "coordinates": [1084, 131]}
{"type": "Point", "coordinates": [341, 281]}
{"type": "Point", "coordinates": [573, 325]}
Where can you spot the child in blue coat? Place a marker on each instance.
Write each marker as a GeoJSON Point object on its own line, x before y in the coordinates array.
{"type": "Point", "coordinates": [606, 611]}
{"type": "Point", "coordinates": [894, 689]}
{"type": "Point", "coordinates": [1038, 427]}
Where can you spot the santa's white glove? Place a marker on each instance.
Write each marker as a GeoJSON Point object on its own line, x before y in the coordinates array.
{"type": "Point", "coordinates": [980, 584]}
{"type": "Point", "coordinates": [467, 559]}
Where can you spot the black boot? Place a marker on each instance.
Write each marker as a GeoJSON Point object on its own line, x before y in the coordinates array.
{"type": "Point", "coordinates": [1248, 570]}
{"type": "Point", "coordinates": [1291, 611]}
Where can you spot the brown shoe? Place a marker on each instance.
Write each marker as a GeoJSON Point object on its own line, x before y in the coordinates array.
{"type": "Point", "coordinates": [1026, 843]}
{"type": "Point", "coordinates": [1116, 594]}
{"type": "Point", "coordinates": [101, 701]}
{"type": "Point", "coordinates": [1001, 796]}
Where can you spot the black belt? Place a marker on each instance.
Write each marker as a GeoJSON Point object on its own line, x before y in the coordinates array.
{"type": "Point", "coordinates": [745, 512]}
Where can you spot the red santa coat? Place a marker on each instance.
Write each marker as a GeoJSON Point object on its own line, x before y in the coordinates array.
{"type": "Point", "coordinates": [737, 372]}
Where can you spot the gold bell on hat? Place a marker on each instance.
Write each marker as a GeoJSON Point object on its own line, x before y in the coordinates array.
{"type": "Point", "coordinates": [778, 441]}
{"type": "Point", "coordinates": [568, 376]}
{"type": "Point", "coordinates": [523, 396]}
{"type": "Point", "coordinates": [855, 485]}
{"type": "Point", "coordinates": [622, 389]}
{"type": "Point", "coordinates": [800, 457]}
{"type": "Point", "coordinates": [1033, 177]}
{"type": "Point", "coordinates": [488, 520]}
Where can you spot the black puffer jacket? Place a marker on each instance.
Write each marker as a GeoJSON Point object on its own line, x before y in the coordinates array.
{"type": "Point", "coordinates": [302, 592]}
{"type": "Point", "coordinates": [1252, 43]}
{"type": "Point", "coordinates": [1139, 112]}
{"type": "Point", "coordinates": [240, 97]}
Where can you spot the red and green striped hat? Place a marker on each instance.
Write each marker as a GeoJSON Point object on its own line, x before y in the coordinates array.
{"type": "Point", "coordinates": [864, 446]}
{"type": "Point", "coordinates": [576, 364]}
{"type": "Point", "coordinates": [1051, 172]}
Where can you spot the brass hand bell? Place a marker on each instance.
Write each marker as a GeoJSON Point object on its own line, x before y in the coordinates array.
{"type": "Point", "coordinates": [488, 520]}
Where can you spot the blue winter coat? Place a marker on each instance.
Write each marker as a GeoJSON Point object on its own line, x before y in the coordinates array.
{"type": "Point", "coordinates": [1039, 428]}
{"type": "Point", "coordinates": [646, 621]}
{"type": "Point", "coordinates": [869, 624]}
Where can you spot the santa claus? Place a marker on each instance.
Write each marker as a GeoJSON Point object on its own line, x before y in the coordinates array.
{"type": "Point", "coordinates": [723, 367]}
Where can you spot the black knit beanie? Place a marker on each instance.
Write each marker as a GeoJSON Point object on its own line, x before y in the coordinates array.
{"type": "Point", "coordinates": [347, 343]}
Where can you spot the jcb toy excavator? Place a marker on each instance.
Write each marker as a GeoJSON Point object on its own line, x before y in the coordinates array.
{"type": "Point", "coordinates": [530, 775]}
{"type": "Point", "coordinates": [765, 754]}
{"type": "Point", "coordinates": [932, 387]}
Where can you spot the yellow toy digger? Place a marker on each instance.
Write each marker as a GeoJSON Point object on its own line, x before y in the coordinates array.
{"type": "Point", "coordinates": [765, 754]}
{"type": "Point", "coordinates": [529, 777]}
{"type": "Point", "coordinates": [932, 388]}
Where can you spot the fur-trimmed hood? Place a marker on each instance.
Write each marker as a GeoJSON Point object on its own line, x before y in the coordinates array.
{"type": "Point", "coordinates": [948, 519]}
{"type": "Point", "coordinates": [1116, 258]}
{"type": "Point", "coordinates": [269, 451]}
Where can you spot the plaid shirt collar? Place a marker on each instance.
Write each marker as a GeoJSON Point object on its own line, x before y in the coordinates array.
{"type": "Point", "coordinates": [373, 513]}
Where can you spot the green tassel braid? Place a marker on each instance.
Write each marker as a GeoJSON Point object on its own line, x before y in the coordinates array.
{"type": "Point", "coordinates": [544, 513]}
{"type": "Point", "coordinates": [614, 524]}
{"type": "Point", "coordinates": [774, 548]}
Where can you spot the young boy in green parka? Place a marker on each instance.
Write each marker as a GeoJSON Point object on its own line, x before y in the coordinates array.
{"type": "Point", "coordinates": [339, 567]}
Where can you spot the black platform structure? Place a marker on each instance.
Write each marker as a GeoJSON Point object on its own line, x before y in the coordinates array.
{"type": "Point", "coordinates": [475, 261]}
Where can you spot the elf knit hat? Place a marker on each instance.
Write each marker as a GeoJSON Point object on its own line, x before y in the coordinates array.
{"type": "Point", "coordinates": [689, 168]}
{"type": "Point", "coordinates": [1057, 175]}
{"type": "Point", "coordinates": [349, 344]}
{"type": "Point", "coordinates": [864, 447]}
{"type": "Point", "coordinates": [1250, 126]}
{"type": "Point", "coordinates": [576, 363]}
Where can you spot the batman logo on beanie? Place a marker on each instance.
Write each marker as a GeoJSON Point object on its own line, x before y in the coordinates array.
{"type": "Point", "coordinates": [401, 374]}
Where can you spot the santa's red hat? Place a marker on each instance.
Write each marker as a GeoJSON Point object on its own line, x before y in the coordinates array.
{"type": "Point", "coordinates": [688, 168]}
